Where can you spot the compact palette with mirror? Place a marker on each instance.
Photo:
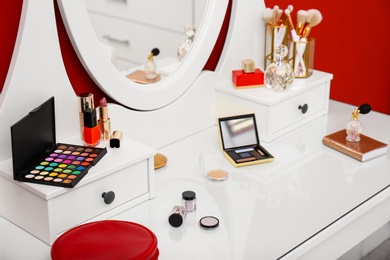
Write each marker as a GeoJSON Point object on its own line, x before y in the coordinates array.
{"type": "Point", "coordinates": [240, 141]}
{"type": "Point", "coordinates": [36, 157]}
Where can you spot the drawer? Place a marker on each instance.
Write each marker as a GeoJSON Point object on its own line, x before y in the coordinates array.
{"type": "Point", "coordinates": [133, 42]}
{"type": "Point", "coordinates": [86, 202]}
{"type": "Point", "coordinates": [298, 108]}
{"type": "Point", "coordinates": [168, 14]}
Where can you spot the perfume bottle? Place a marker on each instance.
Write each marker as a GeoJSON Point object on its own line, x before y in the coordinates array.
{"type": "Point", "coordinates": [354, 127]}
{"type": "Point", "coordinates": [150, 66]}
{"type": "Point", "coordinates": [185, 46]}
{"type": "Point", "coordinates": [279, 75]}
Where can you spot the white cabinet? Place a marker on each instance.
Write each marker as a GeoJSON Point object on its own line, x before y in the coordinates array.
{"type": "Point", "coordinates": [277, 112]}
{"type": "Point", "coordinates": [133, 27]}
{"type": "Point", "coordinates": [47, 211]}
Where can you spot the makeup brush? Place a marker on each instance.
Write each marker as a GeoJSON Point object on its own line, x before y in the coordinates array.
{"type": "Point", "coordinates": [276, 8]}
{"type": "Point", "coordinates": [313, 19]}
{"type": "Point", "coordinates": [268, 15]}
{"type": "Point", "coordinates": [287, 12]}
{"type": "Point", "coordinates": [301, 20]}
{"type": "Point", "coordinates": [278, 15]}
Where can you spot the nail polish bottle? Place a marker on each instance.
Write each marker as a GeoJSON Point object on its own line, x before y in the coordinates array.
{"type": "Point", "coordinates": [91, 128]}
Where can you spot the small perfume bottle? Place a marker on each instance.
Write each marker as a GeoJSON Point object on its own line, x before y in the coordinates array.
{"type": "Point", "coordinates": [185, 46]}
{"type": "Point", "coordinates": [279, 75]}
{"type": "Point", "coordinates": [150, 66]}
{"type": "Point", "coordinates": [354, 127]}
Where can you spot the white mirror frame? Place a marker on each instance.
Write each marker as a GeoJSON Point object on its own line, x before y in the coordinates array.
{"type": "Point", "coordinates": [116, 85]}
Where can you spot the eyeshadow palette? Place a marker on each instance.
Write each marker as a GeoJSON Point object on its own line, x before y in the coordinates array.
{"type": "Point", "coordinates": [64, 166]}
{"type": "Point", "coordinates": [36, 157]}
{"type": "Point", "coordinates": [240, 141]}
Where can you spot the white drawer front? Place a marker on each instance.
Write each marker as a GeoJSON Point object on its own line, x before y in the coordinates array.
{"type": "Point", "coordinates": [133, 42]}
{"type": "Point", "coordinates": [86, 202]}
{"type": "Point", "coordinates": [288, 112]}
{"type": "Point", "coordinates": [169, 14]}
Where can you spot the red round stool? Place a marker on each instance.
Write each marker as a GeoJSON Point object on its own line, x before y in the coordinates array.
{"type": "Point", "coordinates": [108, 239]}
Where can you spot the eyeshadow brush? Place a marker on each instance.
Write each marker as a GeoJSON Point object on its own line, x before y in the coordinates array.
{"type": "Point", "coordinates": [301, 20]}
{"type": "Point", "coordinates": [314, 18]}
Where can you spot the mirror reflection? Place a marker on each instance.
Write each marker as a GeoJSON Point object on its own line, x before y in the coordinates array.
{"type": "Point", "coordinates": [238, 132]}
{"type": "Point", "coordinates": [129, 31]}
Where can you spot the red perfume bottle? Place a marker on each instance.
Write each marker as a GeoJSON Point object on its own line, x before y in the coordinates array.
{"type": "Point", "coordinates": [248, 77]}
{"type": "Point", "coordinates": [91, 128]}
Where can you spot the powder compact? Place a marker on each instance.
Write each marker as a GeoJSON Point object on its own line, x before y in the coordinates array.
{"type": "Point", "coordinates": [240, 141]}
{"type": "Point", "coordinates": [209, 222]}
{"type": "Point", "coordinates": [36, 157]}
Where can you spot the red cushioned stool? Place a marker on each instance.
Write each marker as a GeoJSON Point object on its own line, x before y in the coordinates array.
{"type": "Point", "coordinates": [108, 239]}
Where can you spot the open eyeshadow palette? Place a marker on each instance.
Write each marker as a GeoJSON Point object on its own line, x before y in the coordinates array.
{"type": "Point", "coordinates": [240, 141]}
{"type": "Point", "coordinates": [36, 157]}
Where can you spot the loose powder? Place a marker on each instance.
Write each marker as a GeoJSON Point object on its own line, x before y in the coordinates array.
{"type": "Point", "coordinates": [217, 175]}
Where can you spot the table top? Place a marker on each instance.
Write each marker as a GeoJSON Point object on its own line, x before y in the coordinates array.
{"type": "Point", "coordinates": [266, 211]}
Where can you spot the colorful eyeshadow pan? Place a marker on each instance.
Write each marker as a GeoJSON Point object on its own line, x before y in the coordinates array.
{"type": "Point", "coordinates": [65, 166]}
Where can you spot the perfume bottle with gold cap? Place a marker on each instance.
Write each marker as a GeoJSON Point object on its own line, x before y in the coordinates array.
{"type": "Point", "coordinates": [150, 66]}
{"type": "Point", "coordinates": [354, 126]}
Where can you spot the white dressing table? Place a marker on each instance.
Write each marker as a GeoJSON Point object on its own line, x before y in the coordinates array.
{"type": "Point", "coordinates": [310, 203]}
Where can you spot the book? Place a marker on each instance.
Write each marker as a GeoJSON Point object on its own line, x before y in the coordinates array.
{"type": "Point", "coordinates": [366, 149]}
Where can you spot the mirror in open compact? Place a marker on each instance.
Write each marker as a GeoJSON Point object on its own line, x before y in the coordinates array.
{"type": "Point", "coordinates": [115, 39]}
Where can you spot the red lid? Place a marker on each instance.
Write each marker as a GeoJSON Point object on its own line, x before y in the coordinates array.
{"type": "Point", "coordinates": [108, 239]}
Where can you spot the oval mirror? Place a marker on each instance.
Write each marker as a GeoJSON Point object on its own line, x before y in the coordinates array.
{"type": "Point", "coordinates": [129, 29]}
{"type": "Point", "coordinates": [121, 89]}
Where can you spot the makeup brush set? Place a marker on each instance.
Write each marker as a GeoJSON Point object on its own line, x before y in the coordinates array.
{"type": "Point", "coordinates": [282, 31]}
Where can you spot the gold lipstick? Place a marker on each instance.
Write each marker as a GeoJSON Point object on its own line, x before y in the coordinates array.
{"type": "Point", "coordinates": [83, 100]}
{"type": "Point", "coordinates": [104, 121]}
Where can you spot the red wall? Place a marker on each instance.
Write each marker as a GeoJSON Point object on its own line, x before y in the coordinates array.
{"type": "Point", "coordinates": [351, 42]}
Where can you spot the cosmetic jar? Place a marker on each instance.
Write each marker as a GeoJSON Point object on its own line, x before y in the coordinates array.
{"type": "Point", "coordinates": [209, 222]}
{"type": "Point", "coordinates": [177, 216]}
{"type": "Point", "coordinates": [189, 200]}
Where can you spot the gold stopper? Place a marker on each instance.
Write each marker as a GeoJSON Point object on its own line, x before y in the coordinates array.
{"type": "Point", "coordinates": [248, 66]}
{"type": "Point", "coordinates": [355, 114]}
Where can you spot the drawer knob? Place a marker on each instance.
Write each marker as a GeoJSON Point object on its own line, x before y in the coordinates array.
{"type": "Point", "coordinates": [108, 197]}
{"type": "Point", "coordinates": [303, 108]}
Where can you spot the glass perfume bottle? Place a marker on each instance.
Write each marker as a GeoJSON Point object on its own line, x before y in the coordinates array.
{"type": "Point", "coordinates": [185, 46]}
{"type": "Point", "coordinates": [354, 127]}
{"type": "Point", "coordinates": [150, 66]}
{"type": "Point", "coordinates": [279, 75]}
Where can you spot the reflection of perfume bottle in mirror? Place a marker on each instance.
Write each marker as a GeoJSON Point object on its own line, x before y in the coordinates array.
{"type": "Point", "coordinates": [185, 46]}
{"type": "Point", "coordinates": [150, 66]}
{"type": "Point", "coordinates": [354, 127]}
{"type": "Point", "coordinates": [279, 75]}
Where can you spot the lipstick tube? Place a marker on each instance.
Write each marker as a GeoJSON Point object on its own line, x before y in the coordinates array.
{"type": "Point", "coordinates": [104, 121]}
{"type": "Point", "coordinates": [83, 99]}
{"type": "Point", "coordinates": [91, 130]}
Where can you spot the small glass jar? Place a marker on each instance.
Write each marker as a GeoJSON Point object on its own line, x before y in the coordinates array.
{"type": "Point", "coordinates": [189, 200]}
{"type": "Point", "coordinates": [177, 216]}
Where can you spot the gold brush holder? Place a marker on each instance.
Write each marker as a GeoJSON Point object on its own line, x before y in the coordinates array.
{"type": "Point", "coordinates": [301, 57]}
{"type": "Point", "coordinates": [275, 35]}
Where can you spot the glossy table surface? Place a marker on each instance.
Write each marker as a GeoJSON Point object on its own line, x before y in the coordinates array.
{"type": "Point", "coordinates": [280, 209]}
